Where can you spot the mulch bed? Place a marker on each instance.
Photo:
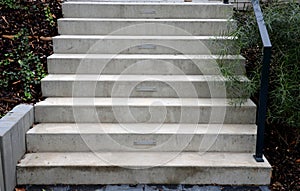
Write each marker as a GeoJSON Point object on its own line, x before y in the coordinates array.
{"type": "Point", "coordinates": [281, 149]}
{"type": "Point", "coordinates": [283, 153]}
{"type": "Point", "coordinates": [29, 15]}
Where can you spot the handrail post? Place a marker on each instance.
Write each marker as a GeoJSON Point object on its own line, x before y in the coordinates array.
{"type": "Point", "coordinates": [264, 80]}
{"type": "Point", "coordinates": [262, 107]}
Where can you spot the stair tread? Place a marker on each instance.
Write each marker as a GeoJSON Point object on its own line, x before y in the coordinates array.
{"type": "Point", "coordinates": [105, 101]}
{"type": "Point", "coordinates": [146, 3]}
{"type": "Point", "coordinates": [141, 159]}
{"type": "Point", "coordinates": [142, 128]}
{"type": "Point", "coordinates": [116, 37]}
{"type": "Point", "coordinates": [142, 56]}
{"type": "Point", "coordinates": [119, 78]}
{"type": "Point", "coordinates": [143, 19]}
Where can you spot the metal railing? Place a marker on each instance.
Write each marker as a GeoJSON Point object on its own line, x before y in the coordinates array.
{"type": "Point", "coordinates": [264, 80]}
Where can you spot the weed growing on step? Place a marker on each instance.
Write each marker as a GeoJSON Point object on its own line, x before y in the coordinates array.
{"type": "Point", "coordinates": [282, 20]}
{"type": "Point", "coordinates": [237, 87]}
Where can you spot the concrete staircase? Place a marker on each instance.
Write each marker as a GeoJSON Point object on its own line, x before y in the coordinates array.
{"type": "Point", "coordinates": [135, 95]}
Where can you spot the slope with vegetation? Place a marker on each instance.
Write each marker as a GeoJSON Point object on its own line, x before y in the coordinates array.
{"type": "Point", "coordinates": [283, 113]}
{"type": "Point", "coordinates": [25, 43]}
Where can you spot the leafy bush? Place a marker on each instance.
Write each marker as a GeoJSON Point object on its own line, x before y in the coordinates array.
{"type": "Point", "coordinates": [21, 67]}
{"type": "Point", "coordinates": [25, 43]}
{"type": "Point", "coordinates": [282, 20]}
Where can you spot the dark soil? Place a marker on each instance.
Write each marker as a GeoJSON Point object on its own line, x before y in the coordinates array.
{"type": "Point", "coordinates": [283, 153]}
{"type": "Point", "coordinates": [281, 148]}
{"type": "Point", "coordinates": [28, 15]}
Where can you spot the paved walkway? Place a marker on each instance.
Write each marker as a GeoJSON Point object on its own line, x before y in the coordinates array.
{"type": "Point", "coordinates": [147, 188]}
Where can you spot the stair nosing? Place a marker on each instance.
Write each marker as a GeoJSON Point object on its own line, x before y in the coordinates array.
{"type": "Point", "coordinates": [164, 129]}
{"type": "Point", "coordinates": [137, 78]}
{"type": "Point", "coordinates": [144, 56]}
{"type": "Point", "coordinates": [138, 102]}
{"type": "Point", "coordinates": [127, 37]}
{"type": "Point", "coordinates": [143, 20]}
{"type": "Point", "coordinates": [209, 159]}
{"type": "Point", "coordinates": [148, 3]}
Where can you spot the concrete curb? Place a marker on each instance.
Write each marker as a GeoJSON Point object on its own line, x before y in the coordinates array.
{"type": "Point", "coordinates": [13, 127]}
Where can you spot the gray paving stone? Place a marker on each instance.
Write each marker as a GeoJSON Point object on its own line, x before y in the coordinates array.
{"type": "Point", "coordinates": [201, 188]}
{"type": "Point", "coordinates": [65, 188]}
{"type": "Point", "coordinates": [145, 188]}
{"type": "Point", "coordinates": [240, 188]}
{"type": "Point", "coordinates": [264, 188]}
{"type": "Point", "coordinates": [124, 188]}
{"type": "Point", "coordinates": [61, 188]}
{"type": "Point", "coordinates": [163, 187]}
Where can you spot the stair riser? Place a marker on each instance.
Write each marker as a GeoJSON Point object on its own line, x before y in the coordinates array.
{"type": "Point", "coordinates": [181, 89]}
{"type": "Point", "coordinates": [132, 114]}
{"type": "Point", "coordinates": [140, 66]}
{"type": "Point", "coordinates": [158, 175]}
{"type": "Point", "coordinates": [158, 10]}
{"type": "Point", "coordinates": [136, 142]}
{"type": "Point", "coordinates": [89, 27]}
{"type": "Point", "coordinates": [138, 46]}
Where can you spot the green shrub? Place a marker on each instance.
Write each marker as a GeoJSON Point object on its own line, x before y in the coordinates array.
{"type": "Point", "coordinates": [283, 23]}
{"type": "Point", "coordinates": [21, 67]}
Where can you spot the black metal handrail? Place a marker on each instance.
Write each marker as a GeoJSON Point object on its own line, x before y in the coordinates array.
{"type": "Point", "coordinates": [264, 80]}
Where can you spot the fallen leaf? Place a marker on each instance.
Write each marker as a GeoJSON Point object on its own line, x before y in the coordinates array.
{"type": "Point", "coordinates": [277, 184]}
{"type": "Point", "coordinates": [20, 189]}
{"type": "Point", "coordinates": [46, 38]}
{"type": "Point", "coordinates": [8, 36]}
{"type": "Point", "coordinates": [16, 82]}
{"type": "Point", "coordinates": [8, 100]}
{"type": "Point", "coordinates": [3, 17]}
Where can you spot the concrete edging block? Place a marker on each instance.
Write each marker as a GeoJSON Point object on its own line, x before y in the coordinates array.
{"type": "Point", "coordinates": [1, 175]}
{"type": "Point", "coordinates": [13, 127]}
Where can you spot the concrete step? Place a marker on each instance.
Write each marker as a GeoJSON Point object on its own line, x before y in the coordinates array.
{"type": "Point", "coordinates": [142, 168]}
{"type": "Point", "coordinates": [143, 64]}
{"type": "Point", "coordinates": [186, 45]}
{"type": "Point", "coordinates": [151, 110]}
{"type": "Point", "coordinates": [146, 10]}
{"type": "Point", "coordinates": [164, 27]}
{"type": "Point", "coordinates": [112, 137]}
{"type": "Point", "coordinates": [182, 86]}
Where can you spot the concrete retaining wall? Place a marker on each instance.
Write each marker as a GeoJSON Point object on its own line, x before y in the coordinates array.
{"type": "Point", "coordinates": [13, 127]}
